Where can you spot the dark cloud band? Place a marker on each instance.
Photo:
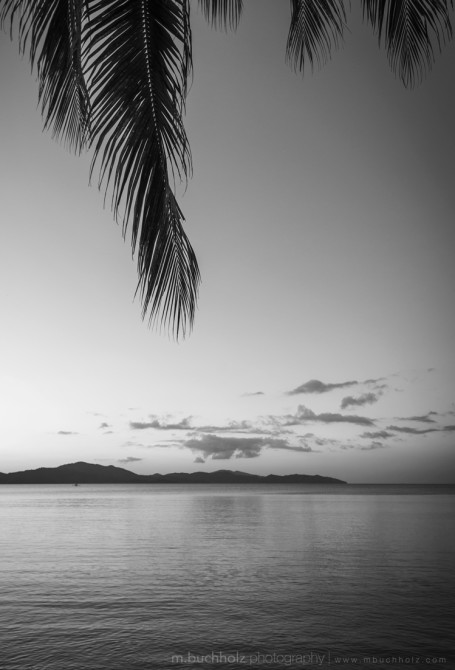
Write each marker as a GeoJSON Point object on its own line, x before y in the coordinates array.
{"type": "Point", "coordinates": [316, 386]}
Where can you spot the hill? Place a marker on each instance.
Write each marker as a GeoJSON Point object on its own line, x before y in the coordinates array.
{"type": "Point", "coordinates": [91, 473]}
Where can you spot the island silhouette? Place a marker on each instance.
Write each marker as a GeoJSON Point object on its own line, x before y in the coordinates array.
{"type": "Point", "coordinates": [93, 473]}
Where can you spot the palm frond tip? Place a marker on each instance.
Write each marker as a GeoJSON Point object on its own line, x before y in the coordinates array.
{"type": "Point", "coordinates": [222, 13]}
{"type": "Point", "coordinates": [316, 29]}
{"type": "Point", "coordinates": [412, 31]}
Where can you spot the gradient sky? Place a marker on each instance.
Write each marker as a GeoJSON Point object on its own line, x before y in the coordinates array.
{"type": "Point", "coordinates": [321, 211]}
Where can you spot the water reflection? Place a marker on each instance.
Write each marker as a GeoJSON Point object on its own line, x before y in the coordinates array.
{"type": "Point", "coordinates": [128, 573]}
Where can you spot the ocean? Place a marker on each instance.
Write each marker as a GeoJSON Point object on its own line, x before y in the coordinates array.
{"type": "Point", "coordinates": [120, 577]}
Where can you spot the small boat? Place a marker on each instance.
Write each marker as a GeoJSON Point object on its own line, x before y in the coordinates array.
{"type": "Point", "coordinates": [76, 484]}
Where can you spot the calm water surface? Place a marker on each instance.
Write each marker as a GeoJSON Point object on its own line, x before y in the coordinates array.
{"type": "Point", "coordinates": [201, 576]}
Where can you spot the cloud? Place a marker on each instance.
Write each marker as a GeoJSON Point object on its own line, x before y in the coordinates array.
{"type": "Point", "coordinates": [322, 441]}
{"type": "Point", "coordinates": [246, 395]}
{"type": "Point", "coordinates": [231, 427]}
{"type": "Point", "coordinates": [198, 459]}
{"type": "Point", "coordinates": [373, 445]}
{"type": "Point", "coordinates": [344, 418]}
{"type": "Point", "coordinates": [380, 434]}
{"type": "Point", "coordinates": [448, 428]}
{"type": "Point", "coordinates": [165, 444]}
{"type": "Point", "coordinates": [104, 425]}
{"type": "Point", "coordinates": [288, 447]}
{"type": "Point", "coordinates": [67, 432]}
{"type": "Point", "coordinates": [223, 448]}
{"type": "Point", "coordinates": [184, 424]}
{"type": "Point", "coordinates": [364, 399]}
{"type": "Point", "coordinates": [304, 415]}
{"type": "Point", "coordinates": [412, 431]}
{"type": "Point", "coordinates": [141, 425]}
{"type": "Point", "coordinates": [129, 459]}
{"type": "Point", "coordinates": [132, 443]}
{"type": "Point", "coordinates": [316, 386]}
{"type": "Point", "coordinates": [425, 418]}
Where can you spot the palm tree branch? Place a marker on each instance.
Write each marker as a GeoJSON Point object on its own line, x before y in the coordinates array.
{"type": "Point", "coordinates": [222, 13]}
{"type": "Point", "coordinates": [51, 32]}
{"type": "Point", "coordinates": [317, 26]}
{"type": "Point", "coordinates": [410, 30]}
{"type": "Point", "coordinates": [140, 58]}
{"type": "Point", "coordinates": [172, 265]}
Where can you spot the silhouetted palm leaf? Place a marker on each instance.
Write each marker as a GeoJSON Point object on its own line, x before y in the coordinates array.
{"type": "Point", "coordinates": [140, 57]}
{"type": "Point", "coordinates": [410, 29]}
{"type": "Point", "coordinates": [53, 29]}
{"type": "Point", "coordinates": [316, 27]}
{"type": "Point", "coordinates": [222, 13]}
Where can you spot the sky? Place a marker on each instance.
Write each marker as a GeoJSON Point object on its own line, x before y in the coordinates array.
{"type": "Point", "coordinates": [321, 212]}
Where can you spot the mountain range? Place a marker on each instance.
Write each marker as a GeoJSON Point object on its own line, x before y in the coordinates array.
{"type": "Point", "coordinates": [91, 473]}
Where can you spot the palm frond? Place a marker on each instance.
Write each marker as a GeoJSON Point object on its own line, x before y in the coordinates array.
{"type": "Point", "coordinates": [316, 28]}
{"type": "Point", "coordinates": [63, 91]}
{"type": "Point", "coordinates": [51, 32]}
{"type": "Point", "coordinates": [140, 57]}
{"type": "Point", "coordinates": [7, 11]}
{"type": "Point", "coordinates": [411, 30]}
{"type": "Point", "coordinates": [168, 270]}
{"type": "Point", "coordinates": [222, 13]}
{"type": "Point", "coordinates": [12, 11]}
